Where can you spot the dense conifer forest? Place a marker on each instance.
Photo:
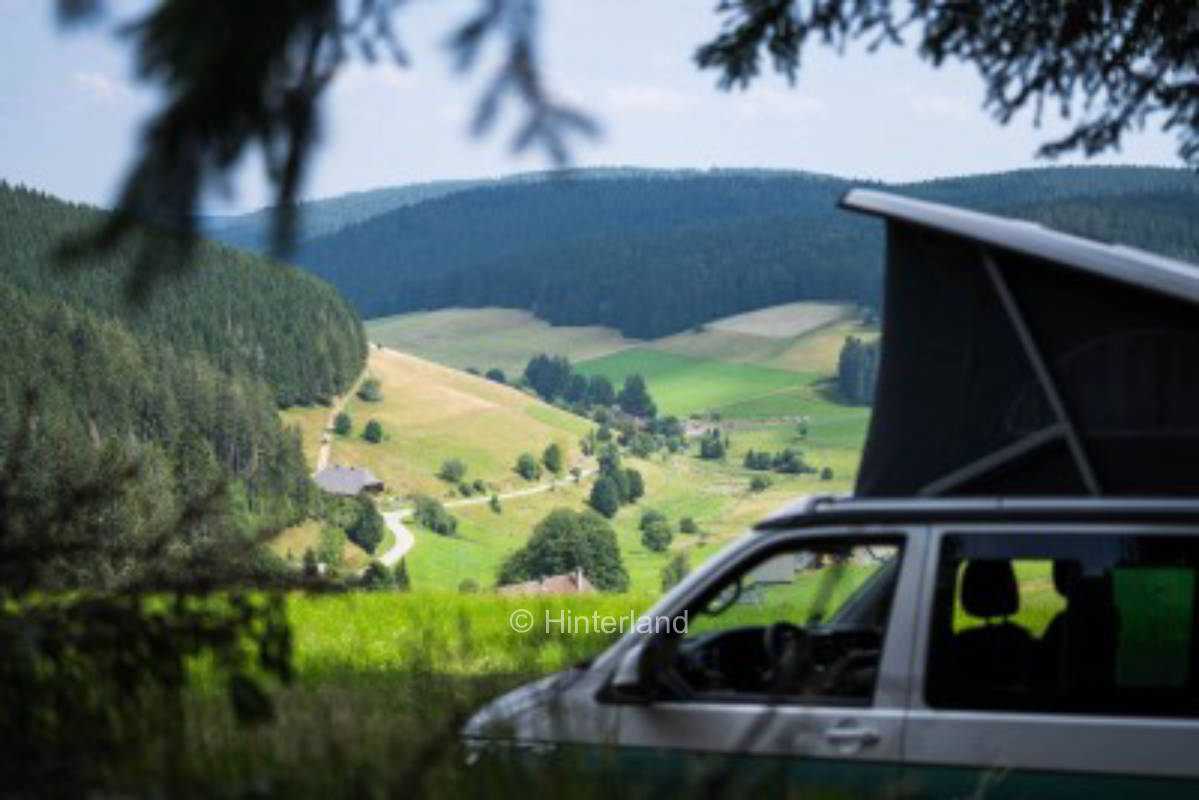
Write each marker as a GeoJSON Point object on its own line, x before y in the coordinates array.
{"type": "Point", "coordinates": [169, 411]}
{"type": "Point", "coordinates": [656, 252]}
{"type": "Point", "coordinates": [238, 311]}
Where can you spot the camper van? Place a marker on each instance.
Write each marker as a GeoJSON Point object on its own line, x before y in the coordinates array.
{"type": "Point", "coordinates": [1009, 604]}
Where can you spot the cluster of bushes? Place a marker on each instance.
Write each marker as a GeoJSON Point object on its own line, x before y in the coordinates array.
{"type": "Point", "coordinates": [788, 461]}
{"type": "Point", "coordinates": [656, 533]}
{"type": "Point", "coordinates": [353, 518]}
{"type": "Point", "coordinates": [675, 571]}
{"type": "Point", "coordinates": [431, 514]}
{"type": "Point", "coordinates": [713, 445]}
{"type": "Point", "coordinates": [371, 391]}
{"type": "Point", "coordinates": [378, 578]}
{"type": "Point", "coordinates": [616, 485]}
{"type": "Point", "coordinates": [343, 425]}
{"type": "Point", "coordinates": [555, 381]}
{"type": "Point", "coordinates": [564, 541]}
{"type": "Point", "coordinates": [528, 467]}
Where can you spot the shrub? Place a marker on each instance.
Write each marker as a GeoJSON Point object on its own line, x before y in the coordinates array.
{"type": "Point", "coordinates": [465, 489]}
{"type": "Point", "coordinates": [826, 474]}
{"type": "Point", "coordinates": [370, 391]}
{"type": "Point", "coordinates": [552, 458]}
{"type": "Point", "coordinates": [635, 484]}
{"type": "Point", "coordinates": [712, 446]}
{"type": "Point", "coordinates": [453, 470]}
{"type": "Point", "coordinates": [376, 577]}
{"type": "Point", "coordinates": [759, 483]}
{"type": "Point", "coordinates": [675, 571]}
{"type": "Point", "coordinates": [687, 525]}
{"type": "Point", "coordinates": [566, 540]}
{"type": "Point", "coordinates": [604, 434]}
{"type": "Point", "coordinates": [342, 424]}
{"type": "Point", "coordinates": [400, 576]}
{"type": "Point", "coordinates": [496, 374]}
{"type": "Point", "coordinates": [605, 497]}
{"type": "Point", "coordinates": [373, 432]}
{"type": "Point", "coordinates": [479, 486]}
{"type": "Point", "coordinates": [649, 516]}
{"type": "Point", "coordinates": [495, 504]}
{"type": "Point", "coordinates": [431, 514]}
{"type": "Point", "coordinates": [367, 530]}
{"type": "Point", "coordinates": [527, 467]}
{"type": "Point", "coordinates": [311, 566]}
{"type": "Point", "coordinates": [468, 586]}
{"type": "Point", "coordinates": [332, 545]}
{"type": "Point", "coordinates": [656, 535]}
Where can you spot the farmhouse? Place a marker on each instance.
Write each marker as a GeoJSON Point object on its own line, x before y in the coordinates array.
{"type": "Point", "coordinates": [572, 583]}
{"type": "Point", "coordinates": [348, 480]}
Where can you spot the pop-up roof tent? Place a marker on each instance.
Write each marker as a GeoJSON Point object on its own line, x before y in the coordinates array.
{"type": "Point", "coordinates": [1021, 361]}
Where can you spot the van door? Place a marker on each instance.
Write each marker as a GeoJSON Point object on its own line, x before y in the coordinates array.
{"type": "Point", "coordinates": [792, 671]}
{"type": "Point", "coordinates": [1057, 661]}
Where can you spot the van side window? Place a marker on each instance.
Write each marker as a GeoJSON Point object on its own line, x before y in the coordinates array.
{"type": "Point", "coordinates": [1066, 623]}
{"type": "Point", "coordinates": [803, 623]}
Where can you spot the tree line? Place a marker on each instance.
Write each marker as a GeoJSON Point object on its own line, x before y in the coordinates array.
{"type": "Point", "coordinates": [652, 253]}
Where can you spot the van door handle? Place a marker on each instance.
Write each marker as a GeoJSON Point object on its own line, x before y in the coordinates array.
{"type": "Point", "coordinates": [850, 736]}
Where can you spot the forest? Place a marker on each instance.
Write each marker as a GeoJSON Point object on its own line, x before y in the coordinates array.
{"type": "Point", "coordinates": [164, 418]}
{"type": "Point", "coordinates": [237, 310]}
{"type": "Point", "coordinates": [658, 252]}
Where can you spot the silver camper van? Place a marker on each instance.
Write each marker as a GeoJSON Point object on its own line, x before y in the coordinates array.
{"type": "Point", "coordinates": [1007, 607]}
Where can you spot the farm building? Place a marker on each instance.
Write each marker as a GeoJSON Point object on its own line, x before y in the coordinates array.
{"type": "Point", "coordinates": [571, 583]}
{"type": "Point", "coordinates": [348, 480]}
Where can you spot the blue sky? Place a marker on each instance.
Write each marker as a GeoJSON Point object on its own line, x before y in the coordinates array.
{"type": "Point", "coordinates": [70, 114]}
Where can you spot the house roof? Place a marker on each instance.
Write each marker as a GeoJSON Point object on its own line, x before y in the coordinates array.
{"type": "Point", "coordinates": [346, 480]}
{"type": "Point", "coordinates": [570, 583]}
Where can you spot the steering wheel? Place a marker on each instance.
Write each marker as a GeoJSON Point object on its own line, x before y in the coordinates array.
{"type": "Point", "coordinates": [788, 651]}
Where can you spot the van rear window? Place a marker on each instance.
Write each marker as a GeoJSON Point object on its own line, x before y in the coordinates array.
{"type": "Point", "coordinates": [1068, 623]}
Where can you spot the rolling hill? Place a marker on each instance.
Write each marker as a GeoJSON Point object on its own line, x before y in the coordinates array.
{"type": "Point", "coordinates": [651, 253]}
{"type": "Point", "coordinates": [431, 413]}
{"type": "Point", "coordinates": [162, 418]}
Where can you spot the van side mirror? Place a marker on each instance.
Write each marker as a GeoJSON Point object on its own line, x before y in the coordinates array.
{"type": "Point", "coordinates": [634, 680]}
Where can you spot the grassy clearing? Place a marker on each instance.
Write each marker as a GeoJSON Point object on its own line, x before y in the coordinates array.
{"type": "Point", "coordinates": [784, 321]}
{"type": "Point", "coordinates": [431, 413]}
{"type": "Point", "coordinates": [490, 337]}
{"type": "Point", "coordinates": [682, 385]}
{"type": "Point", "coordinates": [817, 350]}
{"type": "Point", "coordinates": [291, 543]}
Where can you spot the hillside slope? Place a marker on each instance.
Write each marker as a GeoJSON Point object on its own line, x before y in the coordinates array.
{"type": "Point", "coordinates": [652, 253]}
{"type": "Point", "coordinates": [237, 310]}
{"type": "Point", "coordinates": [152, 434]}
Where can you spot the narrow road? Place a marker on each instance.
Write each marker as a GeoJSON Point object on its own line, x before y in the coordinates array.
{"type": "Point", "coordinates": [404, 539]}
{"type": "Point", "coordinates": [538, 489]}
{"type": "Point", "coordinates": [322, 454]}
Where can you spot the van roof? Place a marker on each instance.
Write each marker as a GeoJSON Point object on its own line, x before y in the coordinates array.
{"type": "Point", "coordinates": [826, 509]}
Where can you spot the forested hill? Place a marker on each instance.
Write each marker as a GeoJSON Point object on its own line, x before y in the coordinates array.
{"type": "Point", "coordinates": [162, 419]}
{"type": "Point", "coordinates": [237, 310]}
{"type": "Point", "coordinates": [655, 252]}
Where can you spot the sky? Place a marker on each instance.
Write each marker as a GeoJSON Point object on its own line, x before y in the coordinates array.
{"type": "Point", "coordinates": [71, 112]}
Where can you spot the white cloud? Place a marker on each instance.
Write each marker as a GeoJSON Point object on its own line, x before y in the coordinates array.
{"type": "Point", "coordinates": [644, 98]}
{"type": "Point", "coordinates": [935, 106]}
{"type": "Point", "coordinates": [768, 102]}
{"type": "Point", "coordinates": [100, 87]}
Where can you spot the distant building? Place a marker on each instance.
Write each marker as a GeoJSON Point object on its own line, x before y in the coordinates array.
{"type": "Point", "coordinates": [572, 583]}
{"type": "Point", "coordinates": [348, 480]}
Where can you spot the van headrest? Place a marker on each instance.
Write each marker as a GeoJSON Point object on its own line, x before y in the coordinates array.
{"type": "Point", "coordinates": [989, 588]}
{"type": "Point", "coordinates": [1066, 575]}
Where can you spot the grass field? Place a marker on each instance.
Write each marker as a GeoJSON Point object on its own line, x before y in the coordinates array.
{"type": "Point", "coordinates": [490, 337]}
{"type": "Point", "coordinates": [683, 385]}
{"type": "Point", "coordinates": [431, 413]}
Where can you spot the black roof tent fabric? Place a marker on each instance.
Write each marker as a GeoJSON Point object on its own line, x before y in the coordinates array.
{"type": "Point", "coordinates": [1020, 361]}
